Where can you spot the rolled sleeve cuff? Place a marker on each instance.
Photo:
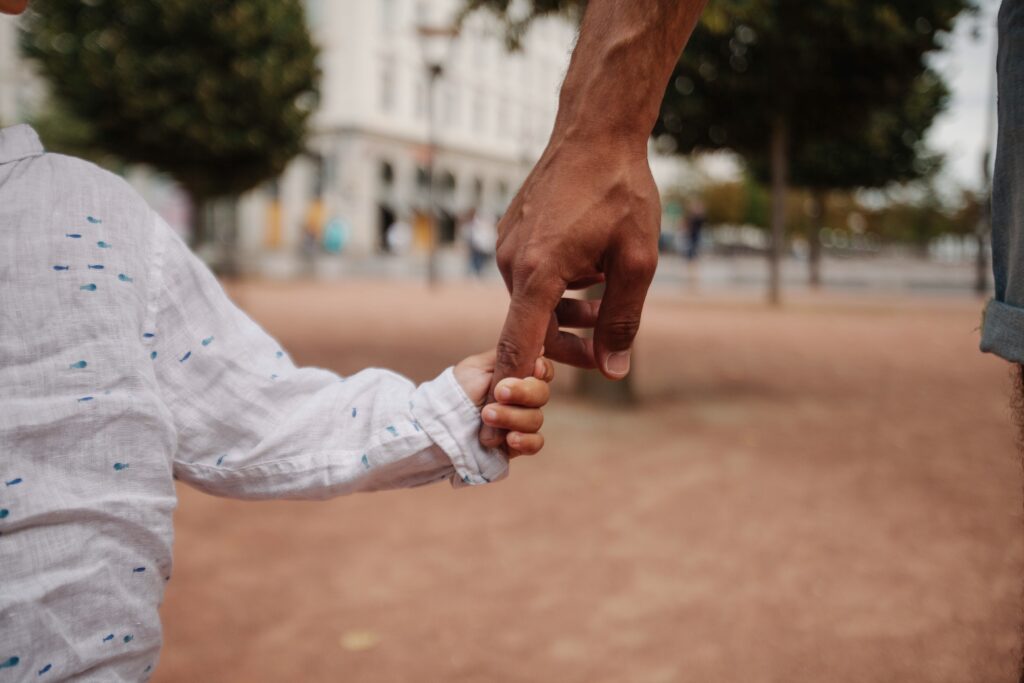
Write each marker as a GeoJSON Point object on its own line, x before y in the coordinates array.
{"type": "Point", "coordinates": [1002, 331]}
{"type": "Point", "coordinates": [450, 419]}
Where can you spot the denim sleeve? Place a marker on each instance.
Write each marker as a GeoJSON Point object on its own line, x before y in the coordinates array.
{"type": "Point", "coordinates": [1003, 327]}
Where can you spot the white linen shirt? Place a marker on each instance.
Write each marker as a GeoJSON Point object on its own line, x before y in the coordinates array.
{"type": "Point", "coordinates": [122, 365]}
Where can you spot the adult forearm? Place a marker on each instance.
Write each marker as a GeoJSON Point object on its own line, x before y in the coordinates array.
{"type": "Point", "coordinates": [620, 67]}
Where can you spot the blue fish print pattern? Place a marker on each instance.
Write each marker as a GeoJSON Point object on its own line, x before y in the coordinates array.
{"type": "Point", "coordinates": [13, 482]}
{"type": "Point", "coordinates": [120, 466]}
{"type": "Point", "coordinates": [103, 245]}
{"type": "Point", "coordinates": [147, 669]}
{"type": "Point", "coordinates": [148, 335]}
{"type": "Point", "coordinates": [139, 570]}
{"type": "Point", "coordinates": [128, 638]}
{"type": "Point", "coordinates": [152, 355]}
{"type": "Point", "coordinates": [207, 341]}
{"type": "Point", "coordinates": [274, 376]}
{"type": "Point", "coordinates": [416, 425]}
{"type": "Point", "coordinates": [366, 461]}
{"type": "Point", "coordinates": [354, 412]}
{"type": "Point", "coordinates": [78, 365]}
{"type": "Point", "coordinates": [44, 669]}
{"type": "Point", "coordinates": [84, 399]}
{"type": "Point", "coordinates": [88, 288]}
{"type": "Point", "coordinates": [392, 430]}
{"type": "Point", "coordinates": [4, 512]}
{"type": "Point", "coordinates": [94, 221]}
{"type": "Point", "coordinates": [62, 268]}
{"type": "Point", "coordinates": [185, 357]}
{"type": "Point", "coordinates": [279, 354]}
{"type": "Point", "coordinates": [109, 637]}
{"type": "Point", "coordinates": [95, 266]}
{"type": "Point", "coordinates": [10, 663]}
{"type": "Point", "coordinates": [220, 459]}
{"type": "Point", "coordinates": [73, 235]}
{"type": "Point", "coordinates": [124, 278]}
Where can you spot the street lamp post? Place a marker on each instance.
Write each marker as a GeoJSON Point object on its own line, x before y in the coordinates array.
{"type": "Point", "coordinates": [435, 43]}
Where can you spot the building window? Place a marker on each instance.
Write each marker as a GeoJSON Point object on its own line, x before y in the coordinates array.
{"type": "Point", "coordinates": [388, 16]}
{"type": "Point", "coordinates": [451, 106]}
{"type": "Point", "coordinates": [422, 180]}
{"type": "Point", "coordinates": [387, 85]}
{"type": "Point", "coordinates": [478, 192]}
{"type": "Point", "coordinates": [422, 13]}
{"type": "Point", "coordinates": [387, 174]}
{"type": "Point", "coordinates": [420, 98]}
{"type": "Point", "coordinates": [502, 118]}
{"type": "Point", "coordinates": [479, 111]}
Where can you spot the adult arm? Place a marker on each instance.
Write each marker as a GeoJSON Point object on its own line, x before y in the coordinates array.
{"type": "Point", "coordinates": [589, 211]}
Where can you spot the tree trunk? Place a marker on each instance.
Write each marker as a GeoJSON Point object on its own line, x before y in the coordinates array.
{"type": "Point", "coordinates": [982, 232]}
{"type": "Point", "coordinates": [981, 264]}
{"type": "Point", "coordinates": [593, 386]}
{"type": "Point", "coordinates": [779, 168]}
{"type": "Point", "coordinates": [819, 199]}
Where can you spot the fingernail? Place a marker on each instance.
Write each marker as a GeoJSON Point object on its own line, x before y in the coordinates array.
{"type": "Point", "coordinates": [513, 440]}
{"type": "Point", "coordinates": [617, 363]}
{"type": "Point", "coordinates": [503, 393]}
{"type": "Point", "coordinates": [490, 414]}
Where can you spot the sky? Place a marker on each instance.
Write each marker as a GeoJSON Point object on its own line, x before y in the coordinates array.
{"type": "Point", "coordinates": [967, 65]}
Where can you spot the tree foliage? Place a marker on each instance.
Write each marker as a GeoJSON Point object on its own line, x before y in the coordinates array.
{"type": "Point", "coordinates": [215, 93]}
{"type": "Point", "coordinates": [833, 94]}
{"type": "Point", "coordinates": [823, 67]}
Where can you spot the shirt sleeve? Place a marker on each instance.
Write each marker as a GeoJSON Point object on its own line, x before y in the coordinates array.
{"type": "Point", "coordinates": [250, 424]}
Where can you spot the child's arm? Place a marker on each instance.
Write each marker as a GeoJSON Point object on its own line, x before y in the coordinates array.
{"type": "Point", "coordinates": [252, 425]}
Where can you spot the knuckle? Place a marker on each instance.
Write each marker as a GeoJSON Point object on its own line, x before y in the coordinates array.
{"type": "Point", "coordinates": [492, 438]}
{"type": "Point", "coordinates": [639, 263]}
{"type": "Point", "coordinates": [620, 332]}
{"type": "Point", "coordinates": [505, 257]}
{"type": "Point", "coordinates": [510, 355]}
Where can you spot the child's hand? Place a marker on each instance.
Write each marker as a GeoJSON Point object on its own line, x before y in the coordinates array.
{"type": "Point", "coordinates": [518, 400]}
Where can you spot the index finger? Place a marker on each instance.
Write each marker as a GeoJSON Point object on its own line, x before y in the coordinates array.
{"type": "Point", "coordinates": [522, 337]}
{"type": "Point", "coordinates": [525, 328]}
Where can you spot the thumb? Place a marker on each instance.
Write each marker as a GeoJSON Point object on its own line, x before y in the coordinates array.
{"type": "Point", "coordinates": [618, 320]}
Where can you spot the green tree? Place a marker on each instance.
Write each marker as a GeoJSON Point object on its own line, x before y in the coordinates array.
{"type": "Point", "coordinates": [216, 93]}
{"type": "Point", "coordinates": [888, 149]}
{"type": "Point", "coordinates": [757, 73]}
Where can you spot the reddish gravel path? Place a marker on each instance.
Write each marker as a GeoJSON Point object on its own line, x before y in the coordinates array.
{"type": "Point", "coordinates": [828, 492]}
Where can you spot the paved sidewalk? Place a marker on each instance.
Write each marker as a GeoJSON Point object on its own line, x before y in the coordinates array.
{"type": "Point", "coordinates": [824, 493]}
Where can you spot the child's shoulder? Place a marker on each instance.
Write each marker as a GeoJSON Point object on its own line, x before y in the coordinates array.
{"type": "Point", "coordinates": [84, 178]}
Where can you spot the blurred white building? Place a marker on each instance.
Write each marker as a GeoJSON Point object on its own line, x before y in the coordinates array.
{"type": "Point", "coordinates": [493, 114]}
{"type": "Point", "coordinates": [16, 86]}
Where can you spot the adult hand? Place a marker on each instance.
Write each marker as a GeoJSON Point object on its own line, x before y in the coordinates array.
{"type": "Point", "coordinates": [586, 214]}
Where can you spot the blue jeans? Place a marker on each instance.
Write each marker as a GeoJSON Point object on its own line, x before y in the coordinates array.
{"type": "Point", "coordinates": [1002, 332]}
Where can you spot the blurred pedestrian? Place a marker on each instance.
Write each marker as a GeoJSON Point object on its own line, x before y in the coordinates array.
{"type": "Point", "coordinates": [336, 235]}
{"type": "Point", "coordinates": [696, 216]}
{"type": "Point", "coordinates": [481, 236]}
{"type": "Point", "coordinates": [399, 237]}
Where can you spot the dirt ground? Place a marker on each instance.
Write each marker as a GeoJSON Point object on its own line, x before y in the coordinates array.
{"type": "Point", "coordinates": [827, 492]}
